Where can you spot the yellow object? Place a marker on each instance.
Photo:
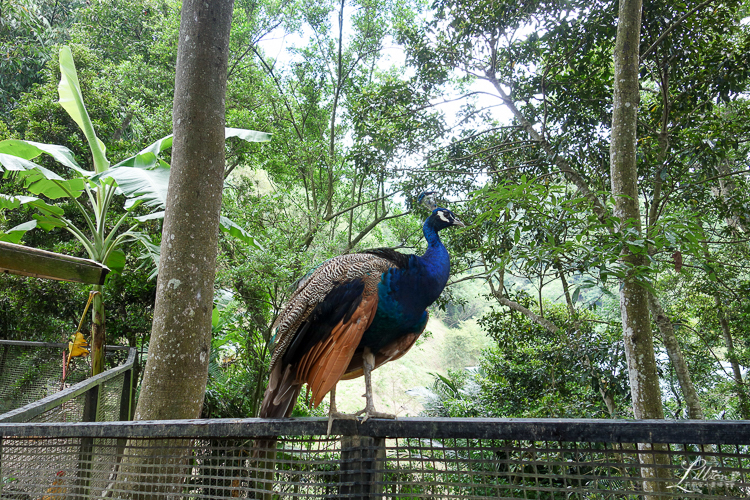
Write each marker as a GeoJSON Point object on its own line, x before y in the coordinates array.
{"type": "Point", "coordinates": [78, 346]}
{"type": "Point", "coordinates": [58, 488]}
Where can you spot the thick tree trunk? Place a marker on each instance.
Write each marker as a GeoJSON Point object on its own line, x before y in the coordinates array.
{"type": "Point", "coordinates": [175, 375]}
{"type": "Point", "coordinates": [674, 352]}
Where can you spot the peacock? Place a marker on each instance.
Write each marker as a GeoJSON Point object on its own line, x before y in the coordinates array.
{"type": "Point", "coordinates": [352, 314]}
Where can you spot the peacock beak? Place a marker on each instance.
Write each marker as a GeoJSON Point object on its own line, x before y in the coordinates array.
{"type": "Point", "coordinates": [458, 223]}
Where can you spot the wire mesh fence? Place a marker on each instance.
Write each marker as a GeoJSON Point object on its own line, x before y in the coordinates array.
{"type": "Point", "coordinates": [405, 458]}
{"type": "Point", "coordinates": [32, 371]}
{"type": "Point", "coordinates": [32, 389]}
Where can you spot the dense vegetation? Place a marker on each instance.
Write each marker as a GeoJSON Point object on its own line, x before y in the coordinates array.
{"type": "Point", "coordinates": [376, 101]}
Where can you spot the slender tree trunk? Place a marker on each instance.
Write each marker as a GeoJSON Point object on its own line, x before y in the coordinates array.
{"type": "Point", "coordinates": [727, 188]}
{"type": "Point", "coordinates": [175, 375]}
{"type": "Point", "coordinates": [639, 349]}
{"type": "Point", "coordinates": [674, 352]}
{"type": "Point", "coordinates": [732, 357]}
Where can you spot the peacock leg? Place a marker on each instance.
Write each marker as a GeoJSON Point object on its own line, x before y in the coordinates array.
{"type": "Point", "coordinates": [368, 359]}
{"type": "Point", "coordinates": [333, 413]}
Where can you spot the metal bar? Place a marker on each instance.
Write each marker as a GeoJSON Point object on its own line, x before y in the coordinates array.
{"type": "Point", "coordinates": [31, 410]}
{"type": "Point", "coordinates": [562, 430]}
{"type": "Point", "coordinates": [63, 345]}
{"type": "Point", "coordinates": [361, 467]}
{"type": "Point", "coordinates": [85, 454]}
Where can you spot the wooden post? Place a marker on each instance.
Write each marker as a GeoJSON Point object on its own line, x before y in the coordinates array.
{"type": "Point", "coordinates": [361, 470]}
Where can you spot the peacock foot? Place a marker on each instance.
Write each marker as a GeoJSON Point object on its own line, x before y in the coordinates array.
{"type": "Point", "coordinates": [372, 413]}
{"type": "Point", "coordinates": [333, 415]}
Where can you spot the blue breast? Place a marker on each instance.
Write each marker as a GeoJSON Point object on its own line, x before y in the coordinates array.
{"type": "Point", "coordinates": [404, 295]}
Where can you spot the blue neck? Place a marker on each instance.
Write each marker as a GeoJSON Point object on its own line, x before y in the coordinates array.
{"type": "Point", "coordinates": [437, 262]}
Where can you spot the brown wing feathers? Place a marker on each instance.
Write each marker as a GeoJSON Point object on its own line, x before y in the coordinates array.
{"type": "Point", "coordinates": [319, 329]}
{"type": "Point", "coordinates": [328, 364]}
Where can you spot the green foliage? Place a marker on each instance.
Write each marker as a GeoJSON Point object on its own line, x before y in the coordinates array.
{"type": "Point", "coordinates": [531, 372]}
{"type": "Point", "coordinates": [29, 29]}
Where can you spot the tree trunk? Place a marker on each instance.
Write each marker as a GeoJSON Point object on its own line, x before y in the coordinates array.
{"type": "Point", "coordinates": [732, 357]}
{"type": "Point", "coordinates": [675, 356]}
{"type": "Point", "coordinates": [175, 375]}
{"type": "Point", "coordinates": [639, 349]}
{"type": "Point", "coordinates": [726, 191]}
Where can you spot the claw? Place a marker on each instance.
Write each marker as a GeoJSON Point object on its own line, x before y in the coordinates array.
{"type": "Point", "coordinates": [333, 413]}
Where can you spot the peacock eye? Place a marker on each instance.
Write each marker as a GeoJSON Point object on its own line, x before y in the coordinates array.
{"type": "Point", "coordinates": [444, 216]}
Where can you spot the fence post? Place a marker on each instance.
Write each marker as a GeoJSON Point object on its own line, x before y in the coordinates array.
{"type": "Point", "coordinates": [127, 392]}
{"type": "Point", "coordinates": [85, 454]}
{"type": "Point", "coordinates": [2, 477]}
{"type": "Point", "coordinates": [361, 471]}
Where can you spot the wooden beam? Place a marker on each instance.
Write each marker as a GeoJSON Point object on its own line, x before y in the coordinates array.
{"type": "Point", "coordinates": [27, 261]}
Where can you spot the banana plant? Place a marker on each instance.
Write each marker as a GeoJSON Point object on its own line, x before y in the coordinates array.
{"type": "Point", "coordinates": [143, 180]}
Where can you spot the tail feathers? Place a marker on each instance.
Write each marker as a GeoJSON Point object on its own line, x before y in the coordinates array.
{"type": "Point", "coordinates": [281, 394]}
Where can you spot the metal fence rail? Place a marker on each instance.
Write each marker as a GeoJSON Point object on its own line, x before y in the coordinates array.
{"type": "Point", "coordinates": [30, 386]}
{"type": "Point", "coordinates": [406, 458]}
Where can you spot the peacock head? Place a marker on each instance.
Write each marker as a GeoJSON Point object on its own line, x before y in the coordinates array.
{"type": "Point", "coordinates": [442, 218]}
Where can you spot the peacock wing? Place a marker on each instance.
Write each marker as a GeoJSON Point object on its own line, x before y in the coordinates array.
{"type": "Point", "coordinates": [323, 365]}
{"type": "Point", "coordinates": [320, 326]}
{"type": "Point", "coordinates": [314, 289]}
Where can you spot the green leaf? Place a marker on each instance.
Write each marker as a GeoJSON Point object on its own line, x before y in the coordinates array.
{"type": "Point", "coordinates": [13, 202]}
{"type": "Point", "coordinates": [215, 318]}
{"type": "Point", "coordinates": [233, 229]}
{"type": "Point", "coordinates": [116, 260]}
{"type": "Point", "coordinates": [14, 234]}
{"type": "Point", "coordinates": [71, 100]}
{"type": "Point", "coordinates": [38, 183]}
{"type": "Point", "coordinates": [140, 185]}
{"type": "Point", "coordinates": [48, 222]}
{"type": "Point", "coordinates": [222, 298]}
{"type": "Point", "coordinates": [151, 216]}
{"type": "Point", "coordinates": [147, 157]}
{"type": "Point", "coordinates": [247, 135]}
{"type": "Point", "coordinates": [46, 208]}
{"type": "Point", "coordinates": [150, 255]}
{"type": "Point", "coordinates": [29, 150]}
{"type": "Point", "coordinates": [18, 164]}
